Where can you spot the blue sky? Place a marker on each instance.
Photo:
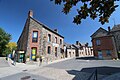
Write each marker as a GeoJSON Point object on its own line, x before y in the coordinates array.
{"type": "Point", "coordinates": [13, 14]}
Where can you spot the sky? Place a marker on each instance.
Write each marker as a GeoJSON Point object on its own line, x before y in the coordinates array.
{"type": "Point", "coordinates": [13, 14]}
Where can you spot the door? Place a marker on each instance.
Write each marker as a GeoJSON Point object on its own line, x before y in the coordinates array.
{"type": "Point", "coordinates": [100, 56]}
{"type": "Point", "coordinates": [33, 54]}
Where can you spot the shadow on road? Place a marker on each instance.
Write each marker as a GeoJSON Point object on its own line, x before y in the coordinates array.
{"type": "Point", "coordinates": [94, 73]}
{"type": "Point", "coordinates": [87, 58]}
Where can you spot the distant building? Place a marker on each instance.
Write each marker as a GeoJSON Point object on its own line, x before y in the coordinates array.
{"type": "Point", "coordinates": [38, 40]}
{"type": "Point", "coordinates": [106, 44]}
{"type": "Point", "coordinates": [69, 50]}
{"type": "Point", "coordinates": [83, 50]}
{"type": "Point", "coordinates": [78, 50]}
{"type": "Point", "coordinates": [115, 31]}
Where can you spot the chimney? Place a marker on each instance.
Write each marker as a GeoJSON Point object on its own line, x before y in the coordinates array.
{"type": "Point", "coordinates": [30, 13]}
{"type": "Point", "coordinates": [56, 30]}
{"type": "Point", "coordinates": [77, 42]}
{"type": "Point", "coordinates": [108, 28]}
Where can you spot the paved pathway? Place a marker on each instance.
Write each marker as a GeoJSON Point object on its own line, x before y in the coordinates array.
{"type": "Point", "coordinates": [24, 76]}
{"type": "Point", "coordinates": [3, 62]}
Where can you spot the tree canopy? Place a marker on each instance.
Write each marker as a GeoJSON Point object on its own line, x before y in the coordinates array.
{"type": "Point", "coordinates": [10, 47]}
{"type": "Point", "coordinates": [89, 8]}
{"type": "Point", "coordinates": [4, 39]}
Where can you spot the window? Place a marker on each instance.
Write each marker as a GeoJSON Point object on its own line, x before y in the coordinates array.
{"type": "Point", "coordinates": [35, 36]}
{"type": "Point", "coordinates": [100, 55]}
{"type": "Point", "coordinates": [55, 39]}
{"type": "Point", "coordinates": [108, 52]}
{"type": "Point", "coordinates": [98, 42]}
{"type": "Point", "coordinates": [61, 50]}
{"type": "Point", "coordinates": [49, 38]}
{"type": "Point", "coordinates": [70, 54]}
{"type": "Point", "coordinates": [60, 41]}
{"type": "Point", "coordinates": [56, 51]}
{"type": "Point", "coordinates": [49, 49]}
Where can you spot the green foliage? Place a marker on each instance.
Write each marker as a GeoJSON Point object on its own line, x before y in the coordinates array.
{"type": "Point", "coordinates": [4, 39]}
{"type": "Point", "coordinates": [10, 47]}
{"type": "Point", "coordinates": [90, 8]}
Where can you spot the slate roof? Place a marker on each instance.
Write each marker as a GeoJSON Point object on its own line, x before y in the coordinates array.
{"type": "Point", "coordinates": [99, 30]}
{"type": "Point", "coordinates": [69, 45]}
{"type": "Point", "coordinates": [115, 28]}
{"type": "Point", "coordinates": [76, 46]}
{"type": "Point", "coordinates": [46, 27]}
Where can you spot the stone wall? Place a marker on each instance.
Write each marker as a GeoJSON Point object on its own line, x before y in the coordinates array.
{"type": "Point", "coordinates": [43, 42]}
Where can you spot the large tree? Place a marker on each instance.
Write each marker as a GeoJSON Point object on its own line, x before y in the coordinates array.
{"type": "Point", "coordinates": [89, 8]}
{"type": "Point", "coordinates": [4, 39]}
{"type": "Point", "coordinates": [10, 47]}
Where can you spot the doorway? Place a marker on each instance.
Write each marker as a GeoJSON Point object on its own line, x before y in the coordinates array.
{"type": "Point", "coordinates": [100, 56]}
{"type": "Point", "coordinates": [33, 53]}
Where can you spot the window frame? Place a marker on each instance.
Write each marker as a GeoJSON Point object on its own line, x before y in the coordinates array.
{"type": "Point", "coordinates": [49, 49]}
{"type": "Point", "coordinates": [49, 37]}
{"type": "Point", "coordinates": [60, 41]}
{"type": "Point", "coordinates": [55, 39]}
{"type": "Point", "coordinates": [108, 52]}
{"type": "Point", "coordinates": [98, 42]}
{"type": "Point", "coordinates": [35, 38]}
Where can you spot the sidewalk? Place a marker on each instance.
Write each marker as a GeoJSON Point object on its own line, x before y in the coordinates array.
{"type": "Point", "coordinates": [21, 67]}
{"type": "Point", "coordinates": [14, 69]}
{"type": "Point", "coordinates": [46, 63]}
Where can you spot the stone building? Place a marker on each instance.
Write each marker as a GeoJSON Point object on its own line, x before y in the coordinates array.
{"type": "Point", "coordinates": [38, 40]}
{"type": "Point", "coordinates": [78, 50]}
{"type": "Point", "coordinates": [105, 43]}
{"type": "Point", "coordinates": [69, 50]}
{"type": "Point", "coordinates": [83, 50]}
{"type": "Point", "coordinates": [115, 31]}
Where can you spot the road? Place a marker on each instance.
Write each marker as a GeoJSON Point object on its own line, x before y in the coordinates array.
{"type": "Point", "coordinates": [75, 69]}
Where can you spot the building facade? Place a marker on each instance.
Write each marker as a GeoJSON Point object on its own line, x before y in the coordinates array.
{"type": "Point", "coordinates": [78, 50]}
{"type": "Point", "coordinates": [69, 50]}
{"type": "Point", "coordinates": [104, 46]}
{"type": "Point", "coordinates": [115, 31]}
{"type": "Point", "coordinates": [83, 50]}
{"type": "Point", "coordinates": [38, 40]}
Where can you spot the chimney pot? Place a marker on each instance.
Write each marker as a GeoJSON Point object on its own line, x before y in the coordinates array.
{"type": "Point", "coordinates": [56, 30]}
{"type": "Point", "coordinates": [30, 13]}
{"type": "Point", "coordinates": [108, 28]}
{"type": "Point", "coordinates": [77, 42]}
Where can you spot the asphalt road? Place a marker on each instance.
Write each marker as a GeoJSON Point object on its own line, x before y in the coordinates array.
{"type": "Point", "coordinates": [78, 64]}
{"type": "Point", "coordinates": [89, 69]}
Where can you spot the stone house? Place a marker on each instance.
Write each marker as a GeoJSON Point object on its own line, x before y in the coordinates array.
{"type": "Point", "coordinates": [69, 50]}
{"type": "Point", "coordinates": [78, 50]}
{"type": "Point", "coordinates": [115, 31]}
{"type": "Point", "coordinates": [83, 50]}
{"type": "Point", "coordinates": [38, 40]}
{"type": "Point", "coordinates": [104, 45]}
